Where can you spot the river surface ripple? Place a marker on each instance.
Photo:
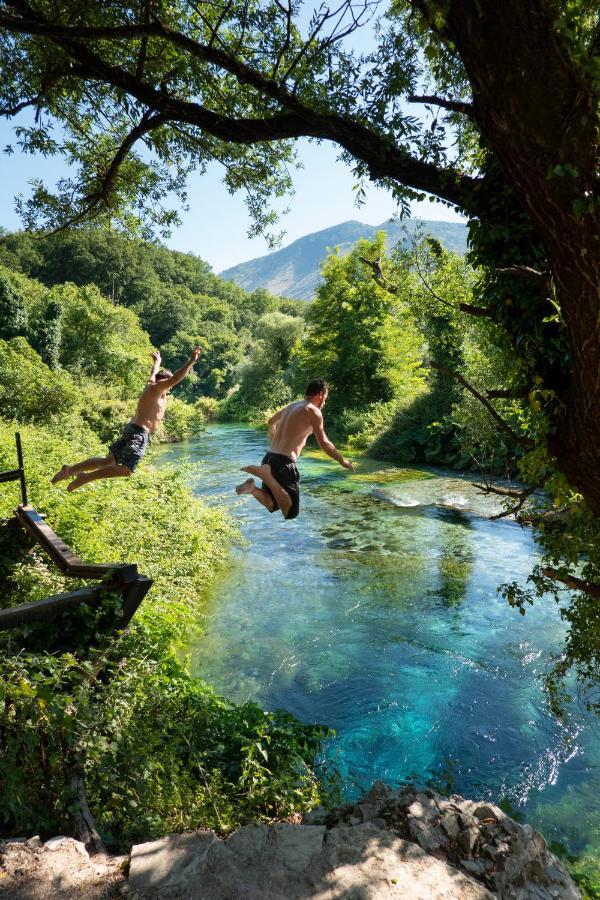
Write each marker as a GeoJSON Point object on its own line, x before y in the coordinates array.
{"type": "Point", "coordinates": [377, 614]}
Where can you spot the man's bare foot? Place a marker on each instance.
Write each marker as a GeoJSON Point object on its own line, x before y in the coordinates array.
{"type": "Point", "coordinates": [261, 472]}
{"type": "Point", "coordinates": [77, 483]}
{"type": "Point", "coordinates": [62, 474]}
{"type": "Point", "coordinates": [246, 487]}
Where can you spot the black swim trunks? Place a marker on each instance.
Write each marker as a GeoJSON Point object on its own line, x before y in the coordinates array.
{"type": "Point", "coordinates": [131, 446]}
{"type": "Point", "coordinates": [287, 475]}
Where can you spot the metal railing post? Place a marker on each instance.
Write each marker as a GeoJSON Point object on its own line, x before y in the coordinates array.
{"type": "Point", "coordinates": [21, 469]}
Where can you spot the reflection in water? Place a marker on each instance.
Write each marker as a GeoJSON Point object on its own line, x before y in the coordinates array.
{"type": "Point", "coordinates": [456, 558]}
{"type": "Point", "coordinates": [376, 613]}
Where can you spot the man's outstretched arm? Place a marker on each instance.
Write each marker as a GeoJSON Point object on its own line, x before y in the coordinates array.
{"type": "Point", "coordinates": [323, 441]}
{"type": "Point", "coordinates": [180, 374]}
{"type": "Point", "coordinates": [156, 361]}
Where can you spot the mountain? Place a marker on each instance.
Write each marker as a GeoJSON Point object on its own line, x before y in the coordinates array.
{"type": "Point", "coordinates": [293, 271]}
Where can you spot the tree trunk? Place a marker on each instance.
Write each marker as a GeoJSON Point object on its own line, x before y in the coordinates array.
{"type": "Point", "coordinates": [576, 443]}
{"type": "Point", "coordinates": [82, 820]}
{"type": "Point", "coordinates": [537, 112]}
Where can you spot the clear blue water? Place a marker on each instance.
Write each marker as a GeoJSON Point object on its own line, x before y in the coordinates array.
{"type": "Point", "coordinates": [376, 613]}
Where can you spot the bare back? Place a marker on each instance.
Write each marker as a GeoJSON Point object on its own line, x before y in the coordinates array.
{"type": "Point", "coordinates": [291, 428]}
{"type": "Point", "coordinates": [151, 407]}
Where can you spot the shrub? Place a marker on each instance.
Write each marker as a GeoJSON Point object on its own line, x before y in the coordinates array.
{"type": "Point", "coordinates": [181, 422]}
{"type": "Point", "coordinates": [13, 317]}
{"type": "Point", "coordinates": [29, 390]}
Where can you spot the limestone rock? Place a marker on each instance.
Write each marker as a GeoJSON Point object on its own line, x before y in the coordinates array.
{"type": "Point", "coordinates": [296, 845]}
{"type": "Point", "coordinates": [451, 826]}
{"type": "Point", "coordinates": [367, 811]}
{"type": "Point", "coordinates": [467, 840]}
{"type": "Point", "coordinates": [298, 862]}
{"type": "Point", "coordinates": [169, 862]}
{"type": "Point", "coordinates": [379, 793]}
{"type": "Point", "coordinates": [61, 843]}
{"type": "Point", "coordinates": [316, 816]}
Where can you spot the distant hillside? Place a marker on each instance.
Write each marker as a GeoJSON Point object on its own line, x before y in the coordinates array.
{"type": "Point", "coordinates": [294, 270]}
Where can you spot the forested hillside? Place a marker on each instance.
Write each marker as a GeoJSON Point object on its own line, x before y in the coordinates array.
{"type": "Point", "coordinates": [176, 297]}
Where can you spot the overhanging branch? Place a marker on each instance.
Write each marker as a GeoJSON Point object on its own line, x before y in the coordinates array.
{"type": "Point", "coordinates": [541, 279]}
{"type": "Point", "coordinates": [517, 438]}
{"type": "Point", "coordinates": [102, 194]}
{"type": "Point", "coordinates": [478, 311]}
{"type": "Point", "coordinates": [507, 394]}
{"type": "Point", "coordinates": [519, 496]}
{"type": "Point", "coordinates": [458, 106]}
{"type": "Point", "coordinates": [382, 157]}
{"type": "Point", "coordinates": [570, 581]}
{"type": "Point", "coordinates": [375, 265]}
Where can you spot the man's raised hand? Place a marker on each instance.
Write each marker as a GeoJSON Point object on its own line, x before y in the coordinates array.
{"type": "Point", "coordinates": [155, 354]}
{"type": "Point", "coordinates": [196, 353]}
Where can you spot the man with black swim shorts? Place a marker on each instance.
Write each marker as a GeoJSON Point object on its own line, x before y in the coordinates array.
{"type": "Point", "coordinates": [289, 429]}
{"type": "Point", "coordinates": [125, 453]}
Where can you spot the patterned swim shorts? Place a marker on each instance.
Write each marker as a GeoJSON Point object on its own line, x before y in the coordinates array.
{"type": "Point", "coordinates": [129, 449]}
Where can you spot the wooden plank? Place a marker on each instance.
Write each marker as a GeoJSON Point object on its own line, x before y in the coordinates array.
{"type": "Point", "coordinates": [49, 607]}
{"type": "Point", "coordinates": [67, 561]}
{"type": "Point", "coordinates": [38, 610]}
{"type": "Point", "coordinates": [133, 596]}
{"type": "Point", "coordinates": [11, 475]}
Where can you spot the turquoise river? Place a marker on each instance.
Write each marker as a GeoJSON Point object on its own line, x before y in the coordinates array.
{"type": "Point", "coordinates": [376, 612]}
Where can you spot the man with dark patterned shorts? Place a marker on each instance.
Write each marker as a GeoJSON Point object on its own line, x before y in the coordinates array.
{"type": "Point", "coordinates": [289, 429]}
{"type": "Point", "coordinates": [125, 453]}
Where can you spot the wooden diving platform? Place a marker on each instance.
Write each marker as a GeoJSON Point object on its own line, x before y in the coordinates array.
{"type": "Point", "coordinates": [122, 578]}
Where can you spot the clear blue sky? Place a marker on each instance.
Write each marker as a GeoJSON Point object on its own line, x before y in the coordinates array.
{"type": "Point", "coordinates": [216, 225]}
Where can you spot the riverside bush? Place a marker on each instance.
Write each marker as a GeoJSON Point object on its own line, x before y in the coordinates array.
{"type": "Point", "coordinates": [29, 390]}
{"type": "Point", "coordinates": [181, 422]}
{"type": "Point", "coordinates": [160, 750]}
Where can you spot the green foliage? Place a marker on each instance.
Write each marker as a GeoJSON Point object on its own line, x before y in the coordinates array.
{"type": "Point", "coordinates": [263, 376]}
{"type": "Point", "coordinates": [361, 339]}
{"type": "Point", "coordinates": [101, 340]}
{"type": "Point", "coordinates": [13, 318]}
{"type": "Point", "coordinates": [29, 390]}
{"type": "Point", "coordinates": [160, 751]}
{"type": "Point", "coordinates": [182, 420]}
{"type": "Point", "coordinates": [45, 334]}
{"type": "Point", "coordinates": [214, 372]}
{"type": "Point", "coordinates": [585, 871]}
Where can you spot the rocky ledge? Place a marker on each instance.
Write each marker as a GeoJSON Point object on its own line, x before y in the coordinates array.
{"type": "Point", "coordinates": [405, 843]}
{"type": "Point", "coordinates": [401, 843]}
{"type": "Point", "coordinates": [511, 860]}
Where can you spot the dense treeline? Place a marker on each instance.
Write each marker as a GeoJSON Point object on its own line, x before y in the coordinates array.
{"type": "Point", "coordinates": [176, 297]}
{"type": "Point", "coordinates": [91, 304]}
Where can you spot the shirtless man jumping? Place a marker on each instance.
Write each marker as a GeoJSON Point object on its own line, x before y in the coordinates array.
{"type": "Point", "coordinates": [125, 453]}
{"type": "Point", "coordinates": [289, 429]}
